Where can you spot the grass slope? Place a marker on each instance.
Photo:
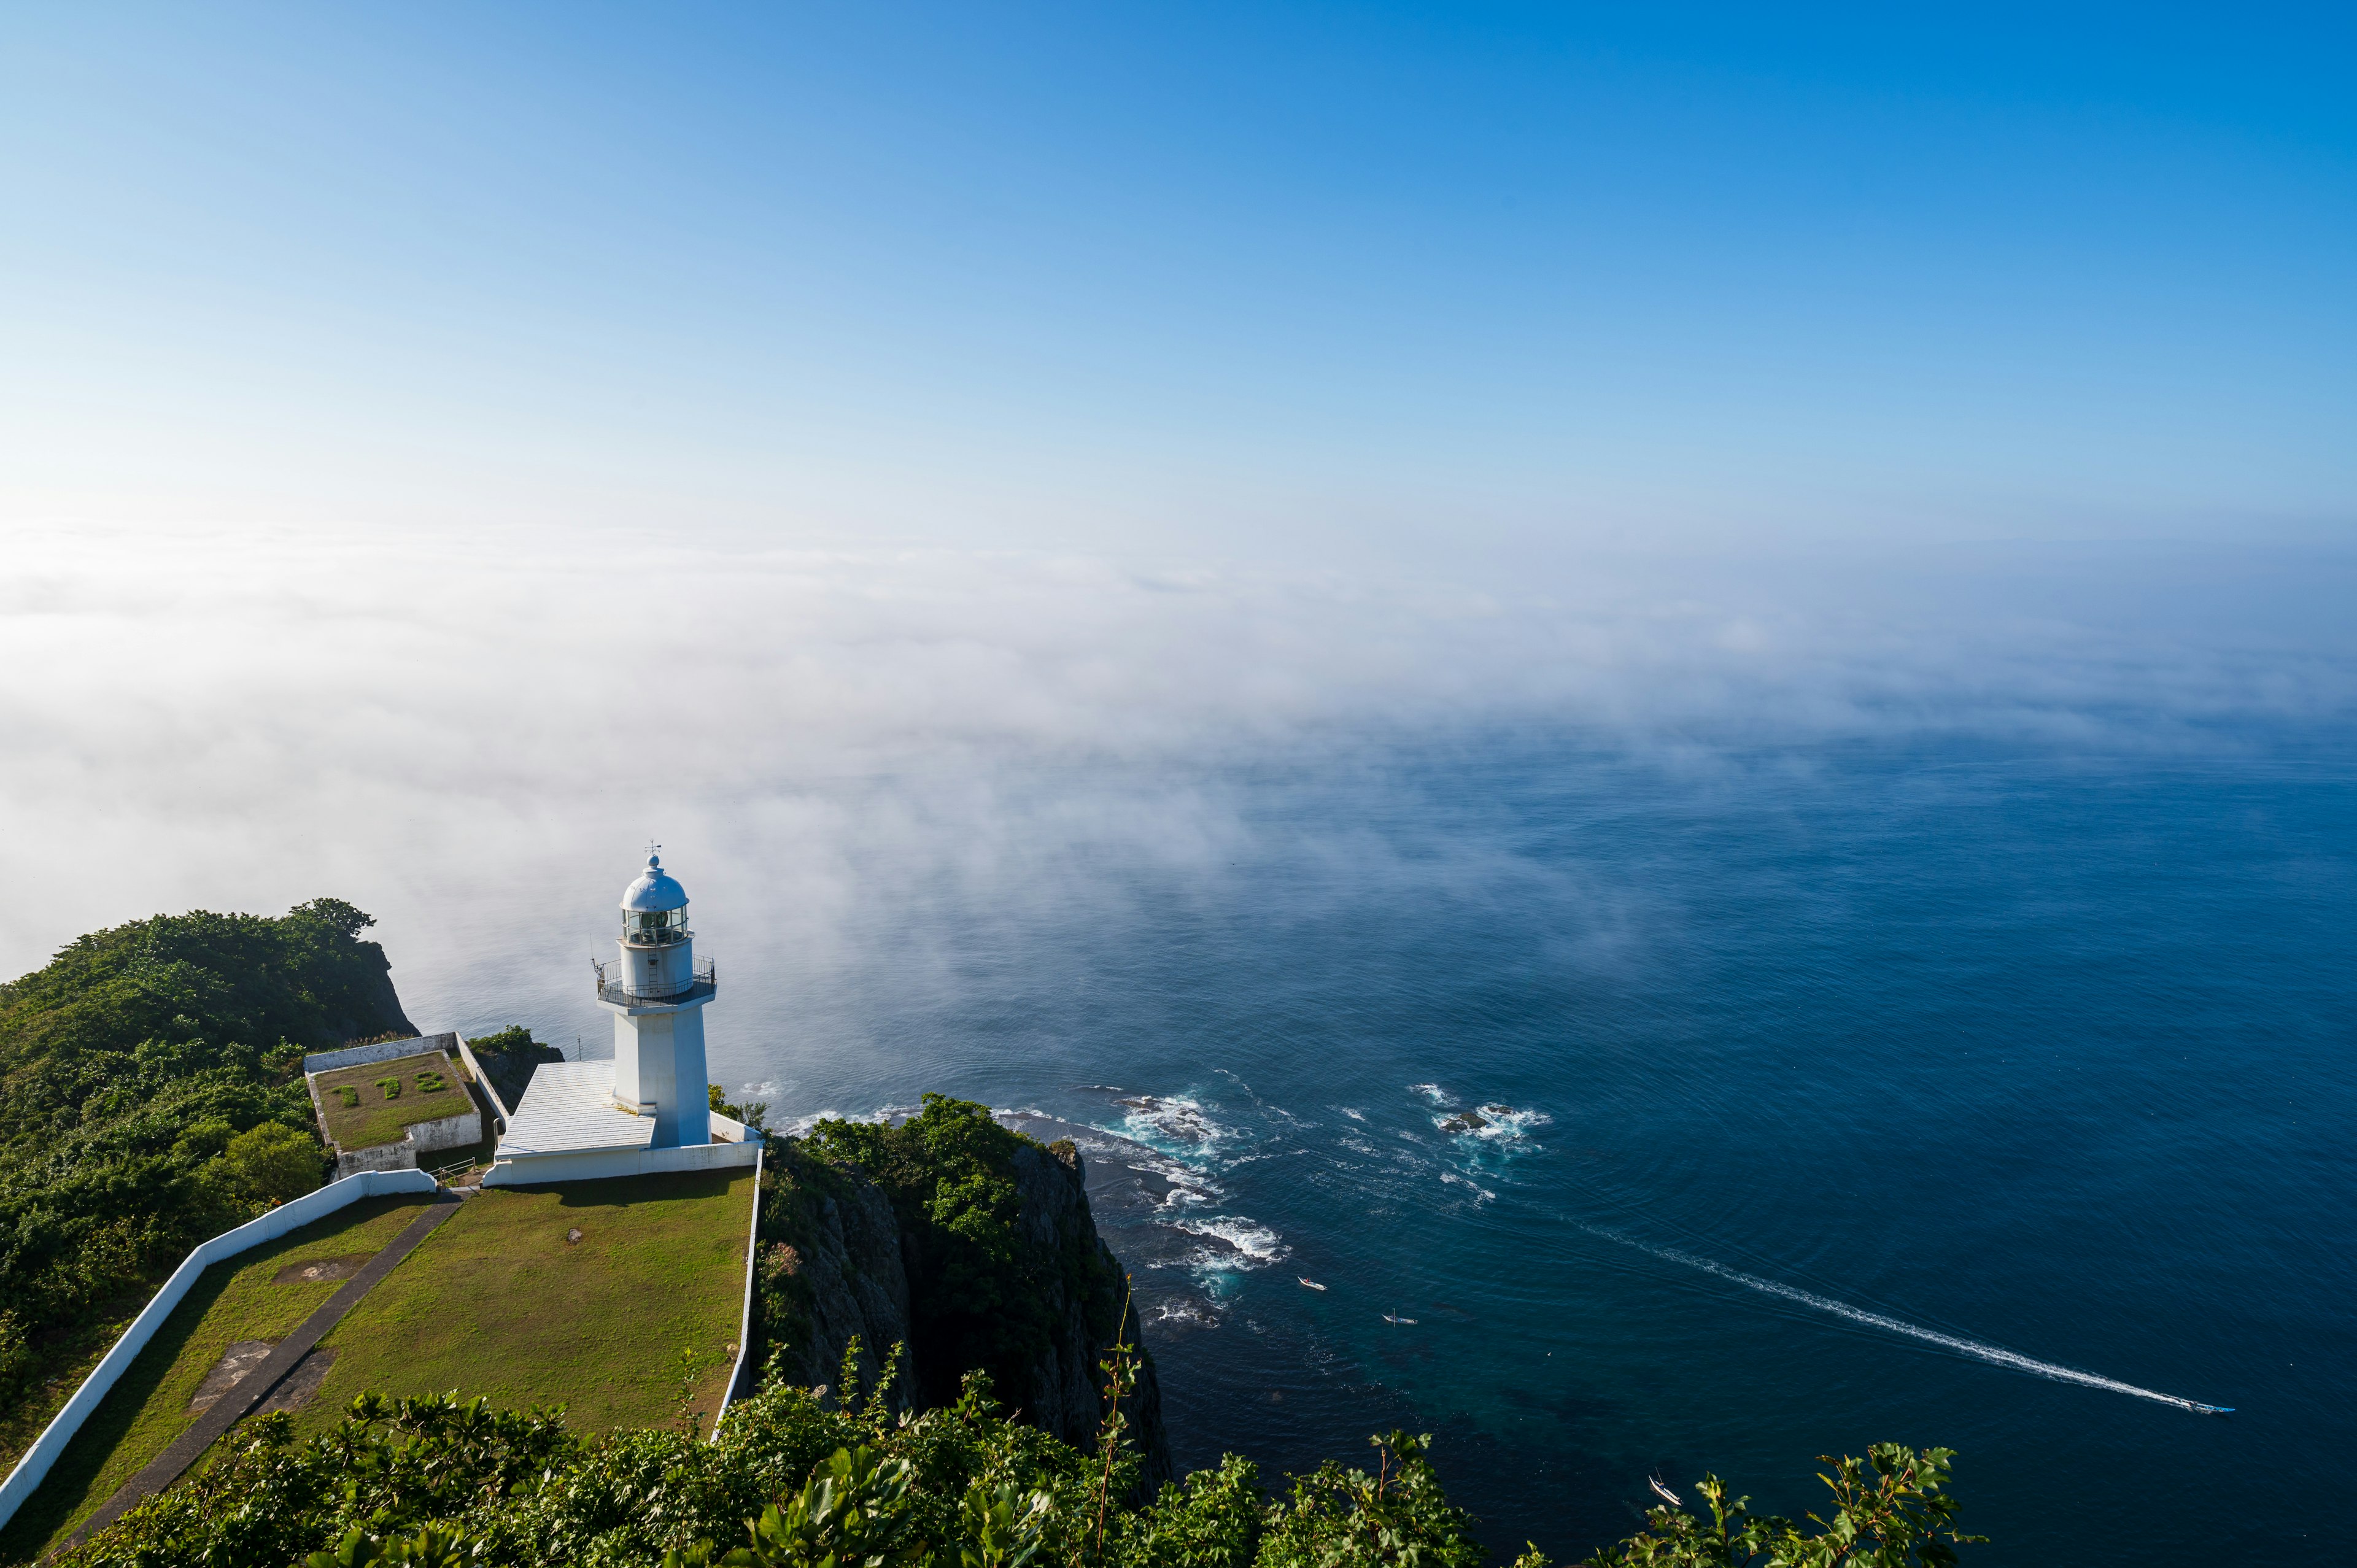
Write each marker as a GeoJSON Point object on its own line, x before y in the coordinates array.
{"type": "Point", "coordinates": [149, 1407]}
{"type": "Point", "coordinates": [497, 1302]}
{"type": "Point", "coordinates": [379, 1120]}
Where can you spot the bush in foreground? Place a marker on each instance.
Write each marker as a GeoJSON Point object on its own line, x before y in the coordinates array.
{"type": "Point", "coordinates": [789, 1480]}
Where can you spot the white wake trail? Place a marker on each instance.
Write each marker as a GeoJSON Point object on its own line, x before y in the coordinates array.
{"type": "Point", "coordinates": [1996, 1355]}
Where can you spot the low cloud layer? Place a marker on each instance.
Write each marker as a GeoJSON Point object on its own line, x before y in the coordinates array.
{"type": "Point", "coordinates": [474, 738]}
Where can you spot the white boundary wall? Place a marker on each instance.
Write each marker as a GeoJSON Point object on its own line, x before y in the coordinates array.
{"type": "Point", "coordinates": [745, 1327]}
{"type": "Point", "coordinates": [499, 1106]}
{"type": "Point", "coordinates": [287, 1217]}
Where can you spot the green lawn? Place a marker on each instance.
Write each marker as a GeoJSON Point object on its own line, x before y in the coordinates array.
{"type": "Point", "coordinates": [380, 1117]}
{"type": "Point", "coordinates": [497, 1302]}
{"type": "Point", "coordinates": [148, 1407]}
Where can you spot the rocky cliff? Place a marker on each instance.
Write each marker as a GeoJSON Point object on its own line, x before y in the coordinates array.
{"type": "Point", "coordinates": [968, 1245]}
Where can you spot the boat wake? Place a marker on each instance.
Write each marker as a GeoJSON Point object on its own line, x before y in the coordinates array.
{"type": "Point", "coordinates": [1993, 1354]}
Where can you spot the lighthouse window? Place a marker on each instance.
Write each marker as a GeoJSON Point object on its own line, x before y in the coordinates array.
{"type": "Point", "coordinates": [655, 926]}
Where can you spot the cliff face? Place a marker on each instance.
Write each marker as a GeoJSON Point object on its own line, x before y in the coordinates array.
{"type": "Point", "coordinates": [1088, 1309]}
{"type": "Point", "coordinates": [841, 1257]}
{"type": "Point", "coordinates": [840, 1278]}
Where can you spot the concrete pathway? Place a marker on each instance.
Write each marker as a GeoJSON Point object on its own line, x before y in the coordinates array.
{"type": "Point", "coordinates": [250, 1391]}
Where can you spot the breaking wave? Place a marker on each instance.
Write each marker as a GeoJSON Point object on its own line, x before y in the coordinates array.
{"type": "Point", "coordinates": [1173, 1119]}
{"type": "Point", "coordinates": [1480, 1194]}
{"type": "Point", "coordinates": [1241, 1244]}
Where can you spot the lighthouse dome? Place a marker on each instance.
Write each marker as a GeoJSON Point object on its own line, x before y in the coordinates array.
{"type": "Point", "coordinates": [656, 891]}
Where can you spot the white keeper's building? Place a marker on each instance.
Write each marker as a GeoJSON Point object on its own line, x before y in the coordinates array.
{"type": "Point", "coordinates": [648, 1110]}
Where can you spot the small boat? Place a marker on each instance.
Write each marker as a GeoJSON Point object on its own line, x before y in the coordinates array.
{"type": "Point", "coordinates": [1306, 1280]}
{"type": "Point", "coordinates": [1396, 1318]}
{"type": "Point", "coordinates": [1666, 1495]}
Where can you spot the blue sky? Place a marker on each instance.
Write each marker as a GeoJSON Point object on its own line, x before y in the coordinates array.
{"type": "Point", "coordinates": [1223, 279]}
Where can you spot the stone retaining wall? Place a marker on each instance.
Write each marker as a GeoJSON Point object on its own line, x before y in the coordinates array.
{"type": "Point", "coordinates": [383, 1051]}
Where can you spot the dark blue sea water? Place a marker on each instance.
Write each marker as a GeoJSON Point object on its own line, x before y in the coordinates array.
{"type": "Point", "coordinates": [2054, 1053]}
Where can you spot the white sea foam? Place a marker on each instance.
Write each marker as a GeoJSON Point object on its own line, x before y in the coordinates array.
{"type": "Point", "coordinates": [1188, 1185]}
{"type": "Point", "coordinates": [1172, 1118]}
{"type": "Point", "coordinates": [1993, 1354]}
{"type": "Point", "coordinates": [1252, 1244]}
{"type": "Point", "coordinates": [1431, 1092]}
{"type": "Point", "coordinates": [1182, 1310]}
{"type": "Point", "coordinates": [1481, 1193]}
{"type": "Point", "coordinates": [1492, 1124]}
{"type": "Point", "coordinates": [800, 1125]}
{"type": "Point", "coordinates": [1353, 1115]}
{"type": "Point", "coordinates": [1184, 1184]}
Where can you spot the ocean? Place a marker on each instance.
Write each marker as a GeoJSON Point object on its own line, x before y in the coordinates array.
{"type": "Point", "coordinates": [1706, 1109]}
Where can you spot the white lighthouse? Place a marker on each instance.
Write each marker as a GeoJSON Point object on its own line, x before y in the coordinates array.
{"type": "Point", "coordinates": [648, 1111]}
{"type": "Point", "coordinates": [657, 995]}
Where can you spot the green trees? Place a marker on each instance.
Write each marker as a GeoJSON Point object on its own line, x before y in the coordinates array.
{"type": "Point", "coordinates": [789, 1480]}
{"type": "Point", "coordinates": [949, 1171]}
{"type": "Point", "coordinates": [792, 1480]}
{"type": "Point", "coordinates": [1341, 1518]}
{"type": "Point", "coordinates": [509, 1059]}
{"type": "Point", "coordinates": [128, 1064]}
{"type": "Point", "coordinates": [274, 1163]}
{"type": "Point", "coordinates": [753, 1114]}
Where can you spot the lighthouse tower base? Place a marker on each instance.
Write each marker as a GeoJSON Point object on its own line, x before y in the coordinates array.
{"type": "Point", "coordinates": [568, 1128]}
{"type": "Point", "coordinates": [658, 1068]}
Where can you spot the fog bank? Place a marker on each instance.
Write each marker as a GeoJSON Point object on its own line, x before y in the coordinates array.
{"type": "Point", "coordinates": [474, 738]}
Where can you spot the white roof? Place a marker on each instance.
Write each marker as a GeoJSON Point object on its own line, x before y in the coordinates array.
{"type": "Point", "coordinates": [570, 1106]}
{"type": "Point", "coordinates": [655, 890]}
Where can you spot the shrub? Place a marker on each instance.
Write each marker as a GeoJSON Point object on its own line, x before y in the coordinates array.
{"type": "Point", "coordinates": [431, 1082]}
{"type": "Point", "coordinates": [349, 1094]}
{"type": "Point", "coordinates": [206, 1139]}
{"type": "Point", "coordinates": [391, 1087]}
{"type": "Point", "coordinates": [792, 1479]}
{"type": "Point", "coordinates": [1891, 1511]}
{"type": "Point", "coordinates": [509, 1058]}
{"type": "Point", "coordinates": [16, 1359]}
{"type": "Point", "coordinates": [1338, 1517]}
{"type": "Point", "coordinates": [273, 1162]}
{"type": "Point", "coordinates": [754, 1113]}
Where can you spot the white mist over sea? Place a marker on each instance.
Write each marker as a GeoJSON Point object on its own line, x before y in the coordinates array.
{"type": "Point", "coordinates": [471, 735]}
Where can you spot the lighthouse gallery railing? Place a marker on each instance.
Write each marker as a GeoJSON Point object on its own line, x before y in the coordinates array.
{"type": "Point", "coordinates": [704, 978]}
